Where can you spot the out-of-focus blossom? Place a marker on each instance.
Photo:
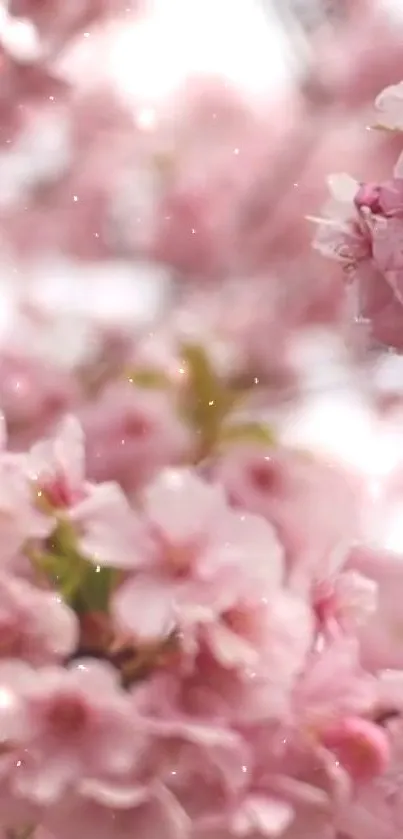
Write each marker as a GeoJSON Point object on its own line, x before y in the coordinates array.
{"type": "Point", "coordinates": [35, 625]}
{"type": "Point", "coordinates": [133, 431]}
{"type": "Point", "coordinates": [297, 494]}
{"type": "Point", "coordinates": [70, 723]}
{"type": "Point", "coordinates": [204, 565]}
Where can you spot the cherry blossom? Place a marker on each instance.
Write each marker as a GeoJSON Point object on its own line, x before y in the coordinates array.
{"type": "Point", "coordinates": [200, 603]}
{"type": "Point", "coordinates": [69, 723]}
{"type": "Point", "coordinates": [35, 625]}
{"type": "Point", "coordinates": [202, 560]}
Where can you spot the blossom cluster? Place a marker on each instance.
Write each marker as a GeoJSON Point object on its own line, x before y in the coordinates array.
{"type": "Point", "coordinates": [362, 229]}
{"type": "Point", "coordinates": [201, 634]}
{"type": "Point", "coordinates": [214, 652]}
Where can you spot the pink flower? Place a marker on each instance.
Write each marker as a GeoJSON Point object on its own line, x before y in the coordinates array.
{"type": "Point", "coordinates": [334, 685]}
{"type": "Point", "coordinates": [376, 811]}
{"type": "Point", "coordinates": [361, 747]}
{"type": "Point", "coordinates": [265, 636]}
{"type": "Point", "coordinates": [35, 625]}
{"type": "Point", "coordinates": [362, 229]}
{"type": "Point", "coordinates": [101, 519]}
{"type": "Point", "coordinates": [70, 724]}
{"type": "Point", "coordinates": [380, 637]}
{"type": "Point", "coordinates": [297, 494]}
{"type": "Point", "coordinates": [385, 199]}
{"type": "Point", "coordinates": [150, 813]}
{"type": "Point", "coordinates": [57, 466]}
{"type": "Point", "coordinates": [201, 561]}
{"type": "Point", "coordinates": [132, 432]}
{"type": "Point", "coordinates": [20, 520]}
{"type": "Point", "coordinates": [348, 600]}
{"type": "Point", "coordinates": [34, 395]}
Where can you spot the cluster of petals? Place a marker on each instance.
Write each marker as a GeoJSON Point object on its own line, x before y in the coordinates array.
{"type": "Point", "coordinates": [201, 634]}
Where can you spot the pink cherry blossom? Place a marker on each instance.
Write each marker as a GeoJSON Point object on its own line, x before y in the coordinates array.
{"type": "Point", "coordinates": [349, 600]}
{"type": "Point", "coordinates": [202, 559]}
{"type": "Point", "coordinates": [362, 230]}
{"type": "Point", "coordinates": [57, 466]}
{"type": "Point", "coordinates": [361, 746]}
{"type": "Point", "coordinates": [34, 396]}
{"type": "Point", "coordinates": [243, 627]}
{"type": "Point", "coordinates": [20, 520]}
{"type": "Point", "coordinates": [377, 810]}
{"type": "Point", "coordinates": [72, 723]}
{"type": "Point", "coordinates": [334, 686]}
{"type": "Point", "coordinates": [100, 517]}
{"type": "Point", "coordinates": [380, 636]}
{"type": "Point", "coordinates": [273, 636]}
{"type": "Point", "coordinates": [297, 494]}
{"type": "Point", "coordinates": [35, 625]}
{"type": "Point", "coordinates": [382, 199]}
{"type": "Point", "coordinates": [150, 813]}
{"type": "Point", "coordinates": [132, 432]}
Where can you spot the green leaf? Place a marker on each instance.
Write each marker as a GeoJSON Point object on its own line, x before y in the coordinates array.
{"type": "Point", "coordinates": [248, 432]}
{"type": "Point", "coordinates": [207, 400]}
{"type": "Point", "coordinates": [95, 591]}
{"type": "Point", "coordinates": [149, 378]}
{"type": "Point", "coordinates": [83, 585]}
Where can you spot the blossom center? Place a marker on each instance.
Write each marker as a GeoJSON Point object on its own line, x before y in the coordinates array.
{"type": "Point", "coordinates": [67, 715]}
{"type": "Point", "coordinates": [264, 476]}
{"type": "Point", "coordinates": [59, 494]}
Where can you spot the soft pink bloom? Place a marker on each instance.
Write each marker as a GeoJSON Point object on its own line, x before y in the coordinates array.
{"type": "Point", "coordinates": [380, 637]}
{"type": "Point", "coordinates": [108, 531]}
{"type": "Point", "coordinates": [202, 561]}
{"type": "Point", "coordinates": [334, 686]}
{"type": "Point", "coordinates": [132, 432]}
{"type": "Point", "coordinates": [314, 506]}
{"type": "Point", "coordinates": [268, 636]}
{"type": "Point", "coordinates": [20, 520]}
{"type": "Point", "coordinates": [35, 625]}
{"type": "Point", "coordinates": [69, 723]}
{"type": "Point", "coordinates": [334, 702]}
{"type": "Point", "coordinates": [385, 199]}
{"type": "Point", "coordinates": [57, 466]}
{"type": "Point", "coordinates": [362, 230]}
{"type": "Point", "coordinates": [361, 747]}
{"type": "Point", "coordinates": [376, 811]}
{"type": "Point", "coordinates": [34, 395]}
{"type": "Point", "coordinates": [100, 516]}
{"type": "Point", "coordinates": [150, 813]}
{"type": "Point", "coordinates": [348, 600]}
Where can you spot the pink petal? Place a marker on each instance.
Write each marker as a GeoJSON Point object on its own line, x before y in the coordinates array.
{"type": "Point", "coordinates": [262, 815]}
{"type": "Point", "coordinates": [181, 505]}
{"type": "Point", "coordinates": [64, 454]}
{"type": "Point", "coordinates": [144, 606]}
{"type": "Point", "coordinates": [111, 532]}
{"type": "Point", "coordinates": [246, 542]}
{"type": "Point", "coordinates": [229, 648]}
